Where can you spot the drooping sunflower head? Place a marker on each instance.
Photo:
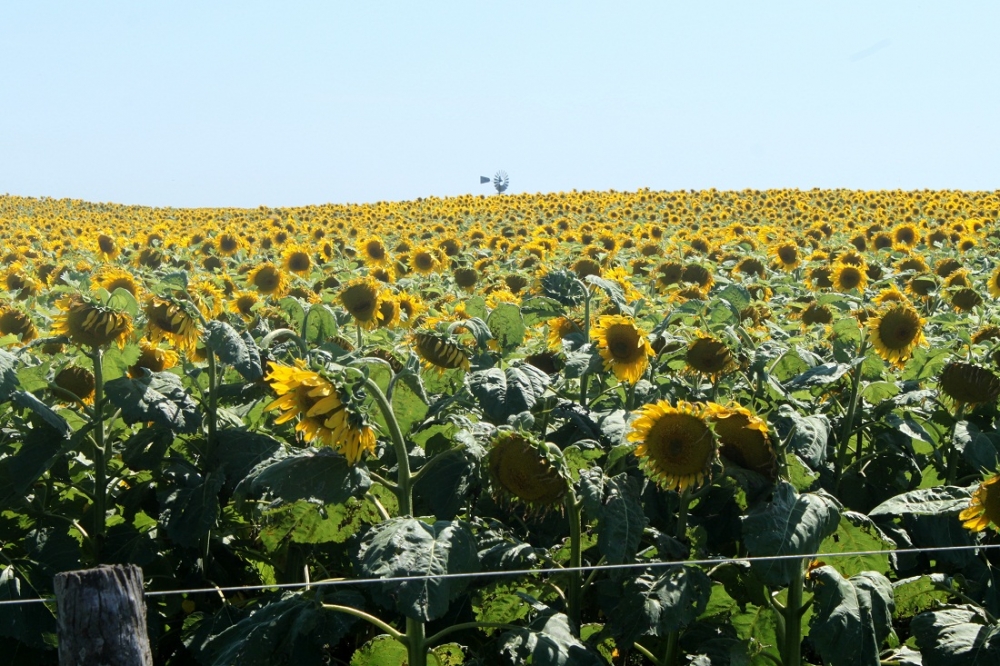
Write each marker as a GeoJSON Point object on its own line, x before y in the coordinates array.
{"type": "Point", "coordinates": [743, 439]}
{"type": "Point", "coordinates": [676, 446]}
{"type": "Point", "coordinates": [965, 299]}
{"type": "Point", "coordinates": [388, 310]}
{"type": "Point", "coordinates": [167, 319]}
{"type": "Point", "coordinates": [896, 333]}
{"type": "Point", "coordinates": [208, 297]}
{"type": "Point", "coordinates": [361, 298]}
{"type": "Point", "coordinates": [995, 283]}
{"type": "Point", "coordinates": [668, 273]}
{"type": "Point", "coordinates": [152, 358]}
{"type": "Point", "coordinates": [890, 295]}
{"type": "Point", "coordinates": [984, 507]}
{"type": "Point", "coordinates": [14, 321]}
{"type": "Point", "coordinates": [969, 384]}
{"type": "Point", "coordinates": [296, 259]}
{"type": "Point", "coordinates": [410, 308]}
{"type": "Point", "coordinates": [466, 277]}
{"type": "Point", "coordinates": [624, 346]}
{"type": "Point", "coordinates": [243, 303]}
{"type": "Point", "coordinates": [709, 356]}
{"type": "Point", "coordinates": [441, 352]}
{"type": "Point", "coordinates": [78, 381]}
{"type": "Point", "coordinates": [106, 247]}
{"type": "Point", "coordinates": [527, 471]}
{"type": "Point", "coordinates": [88, 324]}
{"type": "Point", "coordinates": [268, 280]}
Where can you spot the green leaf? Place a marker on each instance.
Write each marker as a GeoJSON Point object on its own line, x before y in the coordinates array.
{"type": "Point", "coordinates": [507, 326]}
{"type": "Point", "coordinates": [956, 636]}
{"type": "Point", "coordinates": [878, 392]}
{"type": "Point", "coordinates": [654, 604]}
{"type": "Point", "coordinates": [926, 363]}
{"type": "Point", "coordinates": [145, 449]}
{"type": "Point", "coordinates": [43, 411]}
{"type": "Point", "coordinates": [621, 520]}
{"type": "Point", "coordinates": [18, 472]}
{"type": "Point", "coordinates": [791, 524]}
{"type": "Point", "coordinates": [807, 436]}
{"type": "Point", "coordinates": [759, 626]}
{"type": "Point", "coordinates": [502, 602]}
{"type": "Point", "coordinates": [321, 326]}
{"type": "Point", "coordinates": [293, 308]}
{"type": "Point", "coordinates": [857, 532]}
{"type": "Point", "coordinates": [943, 500]}
{"type": "Point", "coordinates": [308, 522]}
{"type": "Point", "coordinates": [918, 594]}
{"type": "Point", "coordinates": [410, 547]}
{"type": "Point", "coordinates": [451, 476]}
{"type": "Point", "coordinates": [189, 505]}
{"type": "Point", "coordinates": [550, 642]}
{"type": "Point", "coordinates": [827, 373]}
{"type": "Point", "coordinates": [322, 476]}
{"type": "Point", "coordinates": [736, 295]}
{"type": "Point", "coordinates": [122, 299]}
{"type": "Point", "coordinates": [475, 307]}
{"type": "Point", "coordinates": [407, 401]}
{"type": "Point", "coordinates": [613, 291]}
{"type": "Point", "coordinates": [116, 362]}
{"type": "Point", "coordinates": [27, 623]}
{"type": "Point", "coordinates": [563, 287]}
{"type": "Point", "coordinates": [979, 449]}
{"type": "Point", "coordinates": [158, 397]}
{"type": "Point", "coordinates": [292, 630]}
{"type": "Point", "coordinates": [383, 650]}
{"type": "Point", "coordinates": [539, 308]}
{"type": "Point", "coordinates": [8, 375]}
{"type": "Point", "coordinates": [125, 543]}
{"type": "Point", "coordinates": [503, 393]}
{"type": "Point", "coordinates": [239, 352]}
{"type": "Point", "coordinates": [851, 617]}
{"type": "Point", "coordinates": [237, 452]}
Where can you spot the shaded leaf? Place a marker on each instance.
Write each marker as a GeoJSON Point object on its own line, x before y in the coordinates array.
{"type": "Point", "coordinates": [807, 435]}
{"type": "Point", "coordinates": [549, 642]}
{"type": "Point", "coordinates": [956, 636]}
{"type": "Point", "coordinates": [506, 325]}
{"type": "Point", "coordinates": [156, 396]}
{"type": "Point", "coordinates": [654, 604]}
{"type": "Point", "coordinates": [43, 411]}
{"type": "Point", "coordinates": [503, 393]}
{"type": "Point", "coordinates": [621, 520]}
{"type": "Point", "coordinates": [926, 502]}
{"type": "Point", "coordinates": [851, 617]}
{"type": "Point", "coordinates": [232, 349]}
{"type": "Point", "coordinates": [322, 476]}
{"type": "Point", "coordinates": [189, 506]}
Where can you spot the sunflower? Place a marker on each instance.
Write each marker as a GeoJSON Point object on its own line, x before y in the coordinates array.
{"type": "Point", "coordinates": [743, 439]}
{"type": "Point", "coordinates": [787, 255]}
{"type": "Point", "coordinates": [207, 297]}
{"type": "Point", "coordinates": [168, 320]}
{"type": "Point", "coordinates": [374, 253]}
{"type": "Point", "coordinates": [107, 248]}
{"type": "Point", "coordinates": [890, 294]}
{"type": "Point", "coordinates": [525, 470]}
{"type": "Point", "coordinates": [466, 278]}
{"type": "Point", "coordinates": [152, 358]}
{"type": "Point", "coordinates": [995, 283]}
{"type": "Point", "coordinates": [229, 243]}
{"type": "Point", "coordinates": [968, 384]}
{"type": "Point", "coordinates": [110, 278]}
{"type": "Point", "coordinates": [668, 273]}
{"type": "Point", "coordinates": [984, 507]}
{"type": "Point", "coordinates": [848, 276]}
{"type": "Point", "coordinates": [410, 308]}
{"type": "Point", "coordinates": [922, 285]}
{"type": "Point", "coordinates": [14, 321]}
{"type": "Point", "coordinates": [78, 381]}
{"type": "Point", "coordinates": [965, 299]}
{"type": "Point", "coordinates": [296, 259]}
{"type": "Point", "coordinates": [361, 298]}
{"type": "Point", "coordinates": [502, 295]}
{"type": "Point", "coordinates": [896, 333]}
{"type": "Point", "coordinates": [623, 346]}
{"type": "Point", "coordinates": [268, 280]}
{"type": "Point", "coordinates": [424, 259]}
{"type": "Point", "coordinates": [325, 412]}
{"type": "Point", "coordinates": [243, 303]}
{"type": "Point", "coordinates": [440, 352]}
{"type": "Point", "coordinates": [905, 235]}
{"type": "Point", "coordinates": [388, 310]}
{"type": "Point", "coordinates": [91, 325]}
{"type": "Point", "coordinates": [709, 356]}
{"type": "Point", "coordinates": [676, 446]}
{"type": "Point", "coordinates": [561, 328]}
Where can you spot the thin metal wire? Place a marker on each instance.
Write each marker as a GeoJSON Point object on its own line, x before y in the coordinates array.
{"type": "Point", "coordinates": [535, 572]}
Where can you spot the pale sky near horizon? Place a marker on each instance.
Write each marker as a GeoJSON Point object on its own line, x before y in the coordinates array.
{"type": "Point", "coordinates": [294, 103]}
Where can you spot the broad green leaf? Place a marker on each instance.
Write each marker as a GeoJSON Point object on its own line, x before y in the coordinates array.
{"type": "Point", "coordinates": [43, 411]}
{"type": "Point", "coordinates": [53, 548]}
{"type": "Point", "coordinates": [117, 361]}
{"type": "Point", "coordinates": [122, 299]}
{"type": "Point", "coordinates": [293, 308]}
{"type": "Point", "coordinates": [979, 449]}
{"type": "Point", "coordinates": [451, 476]}
{"type": "Point", "coordinates": [307, 522]}
{"type": "Point", "coordinates": [926, 502]}
{"type": "Point", "coordinates": [145, 448]}
{"type": "Point", "coordinates": [18, 472]}
{"type": "Point", "coordinates": [383, 650]}
{"type": "Point", "coordinates": [549, 642]}
{"type": "Point", "coordinates": [956, 636]}
{"type": "Point", "coordinates": [475, 307]}
{"type": "Point", "coordinates": [878, 392]}
{"type": "Point", "coordinates": [506, 325]}
{"type": "Point", "coordinates": [8, 375]}
{"type": "Point", "coordinates": [502, 602]}
{"type": "Point", "coordinates": [321, 324]}
{"type": "Point", "coordinates": [827, 373]}
{"type": "Point", "coordinates": [856, 532]}
{"type": "Point", "coordinates": [918, 594]}
{"type": "Point", "coordinates": [232, 349]}
{"type": "Point", "coordinates": [291, 630]}
{"type": "Point", "coordinates": [563, 287]}
{"type": "Point", "coordinates": [503, 393]}
{"type": "Point", "coordinates": [807, 436]}
{"type": "Point", "coordinates": [736, 295]}
{"type": "Point", "coordinates": [654, 604]}
{"type": "Point", "coordinates": [852, 617]}
{"type": "Point", "coordinates": [621, 520]}
{"type": "Point", "coordinates": [409, 547]}
{"type": "Point", "coordinates": [321, 476]}
{"type": "Point", "coordinates": [926, 363]}
{"type": "Point", "coordinates": [791, 524]}
{"type": "Point", "coordinates": [156, 396]}
{"type": "Point", "coordinates": [32, 624]}
{"type": "Point", "coordinates": [237, 452]}
{"type": "Point", "coordinates": [539, 308]}
{"type": "Point", "coordinates": [189, 505]}
{"type": "Point", "coordinates": [407, 404]}
{"type": "Point", "coordinates": [759, 626]}
{"type": "Point", "coordinates": [125, 543]}
{"type": "Point", "coordinates": [613, 291]}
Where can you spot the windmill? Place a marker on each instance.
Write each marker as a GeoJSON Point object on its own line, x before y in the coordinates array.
{"type": "Point", "coordinates": [500, 181]}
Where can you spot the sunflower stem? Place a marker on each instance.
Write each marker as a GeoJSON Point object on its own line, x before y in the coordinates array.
{"type": "Point", "coordinates": [101, 455]}
{"type": "Point", "coordinates": [791, 650]}
{"type": "Point", "coordinates": [673, 651]}
{"type": "Point", "coordinates": [953, 454]}
{"type": "Point", "coordinates": [357, 330]}
{"type": "Point", "coordinates": [371, 619]}
{"type": "Point", "coordinates": [280, 333]}
{"type": "Point", "coordinates": [416, 642]}
{"type": "Point", "coordinates": [404, 479]}
{"type": "Point", "coordinates": [847, 430]}
{"type": "Point", "coordinates": [586, 336]}
{"type": "Point", "coordinates": [630, 396]}
{"type": "Point", "coordinates": [574, 589]}
{"type": "Point", "coordinates": [213, 401]}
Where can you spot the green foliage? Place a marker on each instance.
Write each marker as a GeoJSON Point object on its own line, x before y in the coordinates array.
{"type": "Point", "coordinates": [158, 397]}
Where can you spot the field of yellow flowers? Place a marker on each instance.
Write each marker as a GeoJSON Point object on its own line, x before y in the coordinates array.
{"type": "Point", "coordinates": [707, 427]}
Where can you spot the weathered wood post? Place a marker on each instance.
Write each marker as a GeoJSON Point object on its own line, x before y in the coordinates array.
{"type": "Point", "coordinates": [102, 617]}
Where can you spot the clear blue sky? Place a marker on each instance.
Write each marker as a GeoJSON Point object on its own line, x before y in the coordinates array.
{"type": "Point", "coordinates": [294, 103]}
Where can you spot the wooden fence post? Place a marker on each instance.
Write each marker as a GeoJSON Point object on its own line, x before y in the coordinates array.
{"type": "Point", "coordinates": [101, 617]}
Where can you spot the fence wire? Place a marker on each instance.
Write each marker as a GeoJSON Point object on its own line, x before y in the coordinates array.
{"type": "Point", "coordinates": [514, 573]}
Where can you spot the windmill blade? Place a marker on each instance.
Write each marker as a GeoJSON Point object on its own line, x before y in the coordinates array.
{"type": "Point", "coordinates": [484, 179]}
{"type": "Point", "coordinates": [501, 181]}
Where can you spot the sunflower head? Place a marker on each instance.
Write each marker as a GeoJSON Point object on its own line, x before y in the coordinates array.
{"type": "Point", "coordinates": [968, 384]}
{"type": "Point", "coordinates": [152, 358]}
{"type": "Point", "coordinates": [425, 259]}
{"type": "Point", "coordinates": [676, 446]}
{"type": "Point", "coordinates": [361, 298]}
{"type": "Point", "coordinates": [561, 328]}
{"type": "Point", "coordinates": [984, 507]}
{"type": "Point", "coordinates": [296, 259]}
{"type": "Point", "coordinates": [88, 324]}
{"type": "Point", "coordinates": [787, 255]}
{"type": "Point", "coordinates": [440, 351]}
{"type": "Point", "coordinates": [268, 280]}
{"type": "Point", "coordinates": [14, 321]}
{"type": "Point", "coordinates": [709, 356]}
{"type": "Point", "coordinates": [388, 310]}
{"type": "Point", "coordinates": [167, 319]}
{"type": "Point", "coordinates": [410, 308]}
{"type": "Point", "coordinates": [110, 277]}
{"type": "Point", "coordinates": [107, 248]}
{"type": "Point", "coordinates": [965, 299]}
{"type": "Point", "coordinates": [624, 346]}
{"type": "Point", "coordinates": [847, 277]}
{"type": "Point", "coordinates": [78, 381]}
{"type": "Point", "coordinates": [374, 253]}
{"type": "Point", "coordinates": [743, 439]}
{"type": "Point", "coordinates": [896, 333]}
{"type": "Point", "coordinates": [527, 471]}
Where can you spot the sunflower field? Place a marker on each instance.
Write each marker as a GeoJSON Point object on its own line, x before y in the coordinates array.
{"type": "Point", "coordinates": [701, 427]}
